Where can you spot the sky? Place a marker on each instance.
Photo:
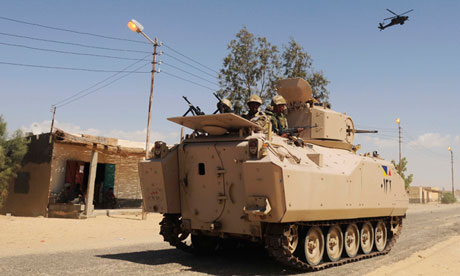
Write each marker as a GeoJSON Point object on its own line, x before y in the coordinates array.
{"type": "Point", "coordinates": [409, 72]}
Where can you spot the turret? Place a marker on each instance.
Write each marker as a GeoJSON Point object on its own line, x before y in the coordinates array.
{"type": "Point", "coordinates": [326, 126]}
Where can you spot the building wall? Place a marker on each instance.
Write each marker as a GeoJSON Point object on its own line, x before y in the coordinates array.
{"type": "Point", "coordinates": [423, 194]}
{"type": "Point", "coordinates": [415, 194]}
{"type": "Point", "coordinates": [126, 184]}
{"type": "Point", "coordinates": [28, 193]}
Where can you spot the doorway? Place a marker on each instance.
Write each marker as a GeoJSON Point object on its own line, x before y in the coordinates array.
{"type": "Point", "coordinates": [77, 172]}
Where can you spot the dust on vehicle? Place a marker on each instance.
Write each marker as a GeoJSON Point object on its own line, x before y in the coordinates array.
{"type": "Point", "coordinates": [310, 199]}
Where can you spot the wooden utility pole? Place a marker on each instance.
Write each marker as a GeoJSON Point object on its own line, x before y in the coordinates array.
{"type": "Point", "coordinates": [52, 122]}
{"type": "Point", "coordinates": [155, 44]}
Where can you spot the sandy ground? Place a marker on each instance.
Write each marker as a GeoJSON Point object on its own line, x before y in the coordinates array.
{"type": "Point", "coordinates": [24, 235]}
{"type": "Point", "coordinates": [441, 259]}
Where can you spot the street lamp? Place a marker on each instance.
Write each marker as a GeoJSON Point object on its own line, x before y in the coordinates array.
{"type": "Point", "coordinates": [137, 27]}
{"type": "Point", "coordinates": [452, 165]}
{"type": "Point", "coordinates": [398, 121]}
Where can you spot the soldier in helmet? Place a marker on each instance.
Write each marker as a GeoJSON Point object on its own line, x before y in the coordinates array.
{"type": "Point", "coordinates": [254, 114]}
{"type": "Point", "coordinates": [276, 114]}
{"type": "Point", "coordinates": [225, 106]}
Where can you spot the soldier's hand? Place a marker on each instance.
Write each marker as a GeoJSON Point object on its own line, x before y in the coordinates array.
{"type": "Point", "coordinates": [300, 129]}
{"type": "Point", "coordinates": [285, 135]}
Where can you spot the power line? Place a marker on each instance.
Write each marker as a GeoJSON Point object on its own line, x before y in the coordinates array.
{"type": "Point", "coordinates": [189, 65]}
{"type": "Point", "coordinates": [69, 68]}
{"type": "Point", "coordinates": [196, 76]}
{"type": "Point", "coordinates": [99, 88]}
{"type": "Point", "coordinates": [179, 53]}
{"type": "Point", "coordinates": [96, 84]}
{"type": "Point", "coordinates": [72, 31]}
{"type": "Point", "coordinates": [65, 52]}
{"type": "Point", "coordinates": [106, 37]}
{"type": "Point", "coordinates": [73, 44]}
{"type": "Point", "coordinates": [187, 80]}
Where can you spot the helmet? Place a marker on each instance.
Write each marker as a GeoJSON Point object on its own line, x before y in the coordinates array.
{"type": "Point", "coordinates": [254, 99]}
{"type": "Point", "coordinates": [228, 103]}
{"type": "Point", "coordinates": [276, 100]}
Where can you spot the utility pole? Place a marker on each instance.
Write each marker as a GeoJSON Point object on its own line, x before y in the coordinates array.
{"type": "Point", "coordinates": [155, 44]}
{"type": "Point", "coordinates": [452, 166]}
{"type": "Point", "coordinates": [398, 121]}
{"type": "Point", "coordinates": [52, 122]}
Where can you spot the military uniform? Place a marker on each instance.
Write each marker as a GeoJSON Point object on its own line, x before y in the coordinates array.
{"type": "Point", "coordinates": [259, 117]}
{"type": "Point", "coordinates": [279, 121]}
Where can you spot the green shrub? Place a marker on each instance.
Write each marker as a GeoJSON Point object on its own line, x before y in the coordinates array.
{"type": "Point", "coordinates": [448, 198]}
{"type": "Point", "coordinates": [12, 150]}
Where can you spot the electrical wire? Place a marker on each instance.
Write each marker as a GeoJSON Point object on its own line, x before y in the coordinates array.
{"type": "Point", "coordinates": [73, 44]}
{"type": "Point", "coordinates": [99, 88]}
{"type": "Point", "coordinates": [196, 76]}
{"type": "Point", "coordinates": [179, 53]}
{"type": "Point", "coordinates": [173, 57]}
{"type": "Point", "coordinates": [70, 68]}
{"type": "Point", "coordinates": [106, 37]}
{"type": "Point", "coordinates": [72, 31]}
{"type": "Point", "coordinates": [96, 84]}
{"type": "Point", "coordinates": [163, 72]}
{"type": "Point", "coordinates": [65, 52]}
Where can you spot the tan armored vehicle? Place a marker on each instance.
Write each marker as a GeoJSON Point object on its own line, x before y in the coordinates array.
{"type": "Point", "coordinates": [312, 205]}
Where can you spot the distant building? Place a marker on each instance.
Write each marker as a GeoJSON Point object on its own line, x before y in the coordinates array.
{"type": "Point", "coordinates": [419, 194]}
{"type": "Point", "coordinates": [64, 162]}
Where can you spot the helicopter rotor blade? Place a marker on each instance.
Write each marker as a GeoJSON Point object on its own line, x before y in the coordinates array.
{"type": "Point", "coordinates": [406, 12]}
{"type": "Point", "coordinates": [390, 18]}
{"type": "Point", "coordinates": [392, 12]}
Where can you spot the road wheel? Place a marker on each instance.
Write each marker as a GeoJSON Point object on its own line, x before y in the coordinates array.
{"type": "Point", "coordinates": [351, 239]}
{"type": "Point", "coordinates": [293, 237]}
{"type": "Point", "coordinates": [380, 236]}
{"type": "Point", "coordinates": [334, 243]}
{"type": "Point", "coordinates": [367, 237]}
{"type": "Point", "coordinates": [314, 246]}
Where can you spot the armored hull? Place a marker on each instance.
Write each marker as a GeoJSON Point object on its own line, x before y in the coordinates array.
{"type": "Point", "coordinates": [313, 203]}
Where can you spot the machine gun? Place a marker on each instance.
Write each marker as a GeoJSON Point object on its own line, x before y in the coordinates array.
{"type": "Point", "coordinates": [221, 106]}
{"type": "Point", "coordinates": [191, 108]}
{"type": "Point", "coordinates": [293, 130]}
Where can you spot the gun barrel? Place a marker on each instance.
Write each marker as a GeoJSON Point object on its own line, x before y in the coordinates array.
{"type": "Point", "coordinates": [361, 131]}
{"type": "Point", "coordinates": [189, 103]}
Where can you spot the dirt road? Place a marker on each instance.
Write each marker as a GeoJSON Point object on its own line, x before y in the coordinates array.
{"type": "Point", "coordinates": [126, 245]}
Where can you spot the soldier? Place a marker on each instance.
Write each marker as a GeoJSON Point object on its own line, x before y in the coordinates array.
{"type": "Point", "coordinates": [254, 114]}
{"type": "Point", "coordinates": [279, 121]}
{"type": "Point", "coordinates": [225, 106]}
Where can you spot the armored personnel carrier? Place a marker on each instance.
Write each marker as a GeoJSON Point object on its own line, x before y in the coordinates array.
{"type": "Point", "coordinates": [313, 204]}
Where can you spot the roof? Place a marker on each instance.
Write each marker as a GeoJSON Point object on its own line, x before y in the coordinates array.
{"type": "Point", "coordinates": [112, 145]}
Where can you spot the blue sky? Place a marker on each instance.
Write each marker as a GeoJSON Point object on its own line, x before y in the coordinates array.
{"type": "Point", "coordinates": [408, 71]}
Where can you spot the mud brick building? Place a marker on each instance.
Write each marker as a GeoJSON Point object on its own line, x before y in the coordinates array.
{"type": "Point", "coordinates": [88, 164]}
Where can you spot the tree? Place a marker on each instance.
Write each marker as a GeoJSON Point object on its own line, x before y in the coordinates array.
{"type": "Point", "coordinates": [297, 63]}
{"type": "Point", "coordinates": [12, 151]}
{"type": "Point", "coordinates": [253, 66]}
{"type": "Point", "coordinates": [408, 179]}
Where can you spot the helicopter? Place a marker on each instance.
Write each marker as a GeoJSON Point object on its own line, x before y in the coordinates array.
{"type": "Point", "coordinates": [396, 19]}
